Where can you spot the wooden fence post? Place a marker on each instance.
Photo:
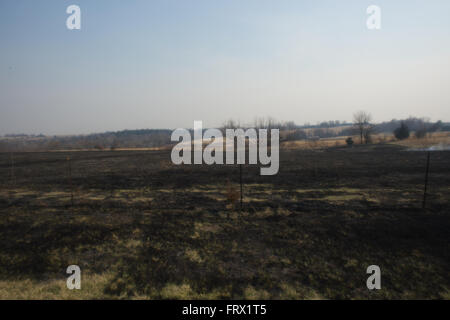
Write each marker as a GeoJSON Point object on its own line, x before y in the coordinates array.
{"type": "Point", "coordinates": [240, 181]}
{"type": "Point", "coordinates": [426, 181]}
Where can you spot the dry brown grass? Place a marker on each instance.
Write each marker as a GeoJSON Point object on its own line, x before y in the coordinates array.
{"type": "Point", "coordinates": [54, 289]}
{"type": "Point", "coordinates": [432, 139]}
{"type": "Point", "coordinates": [317, 144]}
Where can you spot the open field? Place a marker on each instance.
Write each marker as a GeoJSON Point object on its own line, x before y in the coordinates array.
{"type": "Point", "coordinates": [435, 139]}
{"type": "Point", "coordinates": [432, 139]}
{"type": "Point", "coordinates": [141, 227]}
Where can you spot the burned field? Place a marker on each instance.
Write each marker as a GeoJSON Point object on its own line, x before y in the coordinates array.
{"type": "Point", "coordinates": [140, 227]}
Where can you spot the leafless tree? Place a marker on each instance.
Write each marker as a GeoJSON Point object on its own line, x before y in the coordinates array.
{"type": "Point", "coordinates": [230, 124]}
{"type": "Point", "coordinates": [361, 123]}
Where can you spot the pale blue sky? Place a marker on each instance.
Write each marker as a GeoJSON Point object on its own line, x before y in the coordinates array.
{"type": "Point", "coordinates": [166, 63]}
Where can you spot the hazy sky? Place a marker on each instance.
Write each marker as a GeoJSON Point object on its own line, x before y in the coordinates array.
{"type": "Point", "coordinates": [166, 63]}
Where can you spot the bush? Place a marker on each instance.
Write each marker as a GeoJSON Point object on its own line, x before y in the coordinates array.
{"type": "Point", "coordinates": [421, 133]}
{"type": "Point", "coordinates": [402, 132]}
{"type": "Point", "coordinates": [349, 141]}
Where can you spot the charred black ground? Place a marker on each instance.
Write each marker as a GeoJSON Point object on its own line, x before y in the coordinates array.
{"type": "Point", "coordinates": [165, 231]}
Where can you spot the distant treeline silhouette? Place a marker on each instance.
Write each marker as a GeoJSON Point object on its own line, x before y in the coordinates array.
{"type": "Point", "coordinates": [152, 138]}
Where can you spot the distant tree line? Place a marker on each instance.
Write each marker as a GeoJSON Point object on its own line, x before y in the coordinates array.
{"type": "Point", "coordinates": [289, 131]}
{"type": "Point", "coordinates": [414, 124]}
{"type": "Point", "coordinates": [102, 141]}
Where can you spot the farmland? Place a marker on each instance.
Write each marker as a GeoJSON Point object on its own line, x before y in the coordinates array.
{"type": "Point", "coordinates": [140, 227]}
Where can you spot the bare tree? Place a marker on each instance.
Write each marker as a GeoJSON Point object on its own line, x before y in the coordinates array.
{"type": "Point", "coordinates": [259, 123]}
{"type": "Point", "coordinates": [230, 124]}
{"type": "Point", "coordinates": [361, 123]}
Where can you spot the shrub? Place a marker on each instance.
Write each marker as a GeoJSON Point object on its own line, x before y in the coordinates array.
{"type": "Point", "coordinates": [402, 132]}
{"type": "Point", "coordinates": [349, 141]}
{"type": "Point", "coordinates": [233, 195]}
{"type": "Point", "coordinates": [421, 133]}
